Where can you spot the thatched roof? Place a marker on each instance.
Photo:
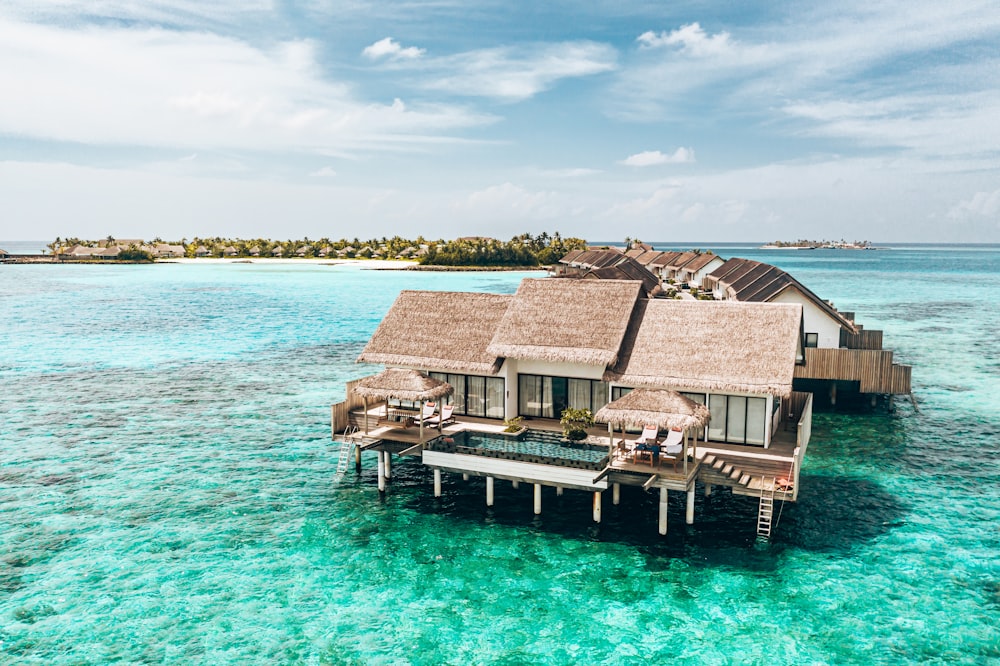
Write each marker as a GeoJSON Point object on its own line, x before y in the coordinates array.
{"type": "Point", "coordinates": [402, 384]}
{"type": "Point", "coordinates": [665, 409]}
{"type": "Point", "coordinates": [439, 330]}
{"type": "Point", "coordinates": [711, 346]}
{"type": "Point", "coordinates": [566, 321]}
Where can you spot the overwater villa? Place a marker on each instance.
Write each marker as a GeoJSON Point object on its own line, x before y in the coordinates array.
{"type": "Point", "coordinates": [687, 395]}
{"type": "Point", "coordinates": [842, 357]}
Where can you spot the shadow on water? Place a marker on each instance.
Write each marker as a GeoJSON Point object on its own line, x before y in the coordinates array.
{"type": "Point", "coordinates": [834, 515]}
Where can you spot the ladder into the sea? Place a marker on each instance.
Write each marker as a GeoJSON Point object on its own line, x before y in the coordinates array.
{"type": "Point", "coordinates": [347, 443]}
{"type": "Point", "coordinates": [765, 510]}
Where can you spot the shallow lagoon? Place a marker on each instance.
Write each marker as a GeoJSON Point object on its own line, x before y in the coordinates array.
{"type": "Point", "coordinates": [166, 492]}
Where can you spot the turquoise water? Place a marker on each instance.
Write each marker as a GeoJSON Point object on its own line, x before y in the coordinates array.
{"type": "Point", "coordinates": [167, 492]}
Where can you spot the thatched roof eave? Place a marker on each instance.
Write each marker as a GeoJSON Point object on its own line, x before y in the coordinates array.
{"type": "Point", "coordinates": [402, 384]}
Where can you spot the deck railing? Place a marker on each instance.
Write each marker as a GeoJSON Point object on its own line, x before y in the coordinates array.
{"type": "Point", "coordinates": [340, 413]}
{"type": "Point", "coordinates": [802, 437]}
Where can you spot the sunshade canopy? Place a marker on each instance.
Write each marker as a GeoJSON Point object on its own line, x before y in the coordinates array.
{"type": "Point", "coordinates": [665, 409]}
{"type": "Point", "coordinates": [402, 384]}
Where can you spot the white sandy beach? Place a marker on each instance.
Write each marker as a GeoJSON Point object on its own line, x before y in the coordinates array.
{"type": "Point", "coordinates": [373, 264]}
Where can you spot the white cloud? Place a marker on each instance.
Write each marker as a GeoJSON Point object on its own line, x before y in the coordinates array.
{"type": "Point", "coordinates": [692, 39]}
{"type": "Point", "coordinates": [981, 204]}
{"type": "Point", "coordinates": [507, 199]}
{"type": "Point", "coordinates": [325, 172]}
{"type": "Point", "coordinates": [516, 74]}
{"type": "Point", "coordinates": [654, 157]}
{"type": "Point", "coordinates": [197, 91]}
{"type": "Point", "coordinates": [389, 48]}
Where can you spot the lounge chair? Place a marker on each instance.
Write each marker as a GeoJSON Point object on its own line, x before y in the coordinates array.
{"type": "Point", "coordinates": [648, 435]}
{"type": "Point", "coordinates": [673, 445]}
{"type": "Point", "coordinates": [646, 446]}
{"type": "Point", "coordinates": [427, 413]}
{"type": "Point", "coordinates": [444, 417]}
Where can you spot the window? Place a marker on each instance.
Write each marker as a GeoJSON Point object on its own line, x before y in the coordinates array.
{"type": "Point", "coordinates": [547, 397]}
{"type": "Point", "coordinates": [737, 419]}
{"type": "Point", "coordinates": [475, 395]}
{"type": "Point", "coordinates": [812, 339]}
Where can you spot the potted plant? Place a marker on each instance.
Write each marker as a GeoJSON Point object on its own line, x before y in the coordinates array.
{"type": "Point", "coordinates": [575, 423]}
{"type": "Point", "coordinates": [513, 425]}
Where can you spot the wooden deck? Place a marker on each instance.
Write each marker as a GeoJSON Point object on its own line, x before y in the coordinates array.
{"type": "Point", "coordinates": [873, 369]}
{"type": "Point", "coordinates": [743, 469]}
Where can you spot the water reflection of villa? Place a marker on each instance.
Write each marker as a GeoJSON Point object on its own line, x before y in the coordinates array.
{"type": "Point", "coordinates": [715, 379]}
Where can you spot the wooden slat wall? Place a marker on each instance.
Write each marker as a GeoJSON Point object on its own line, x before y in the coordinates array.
{"type": "Point", "coordinates": [340, 413]}
{"type": "Point", "coordinates": [873, 369]}
{"type": "Point", "coordinates": [863, 339]}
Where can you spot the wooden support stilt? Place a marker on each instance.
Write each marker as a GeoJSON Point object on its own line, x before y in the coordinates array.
{"type": "Point", "coordinates": [388, 465]}
{"type": "Point", "coordinates": [515, 484]}
{"type": "Point", "coordinates": [833, 393]}
{"type": "Point", "coordinates": [689, 514]}
{"type": "Point", "coordinates": [437, 483]}
{"type": "Point", "coordinates": [616, 493]}
{"type": "Point", "coordinates": [538, 499]}
{"type": "Point", "coordinates": [559, 491]}
{"type": "Point", "coordinates": [381, 473]}
{"type": "Point", "coordinates": [357, 457]}
{"type": "Point", "coordinates": [489, 491]}
{"type": "Point", "coordinates": [597, 507]}
{"type": "Point", "coordinates": [708, 490]}
{"type": "Point", "coordinates": [465, 477]}
{"type": "Point", "coordinates": [663, 511]}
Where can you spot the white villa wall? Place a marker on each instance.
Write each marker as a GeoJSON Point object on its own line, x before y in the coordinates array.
{"type": "Point", "coordinates": [699, 276]}
{"type": "Point", "coordinates": [814, 318]}
{"type": "Point", "coordinates": [513, 367]}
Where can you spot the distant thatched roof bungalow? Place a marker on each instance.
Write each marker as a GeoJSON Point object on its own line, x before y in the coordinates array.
{"type": "Point", "coordinates": [301, 252]}
{"type": "Point", "coordinates": [277, 252]}
{"type": "Point", "coordinates": [166, 250]}
{"type": "Point", "coordinates": [202, 251]}
{"type": "Point", "coordinates": [254, 251]}
{"type": "Point", "coordinates": [324, 251]}
{"type": "Point", "coordinates": [560, 343]}
{"type": "Point", "coordinates": [230, 251]}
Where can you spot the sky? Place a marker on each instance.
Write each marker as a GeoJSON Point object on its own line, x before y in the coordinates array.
{"type": "Point", "coordinates": [667, 121]}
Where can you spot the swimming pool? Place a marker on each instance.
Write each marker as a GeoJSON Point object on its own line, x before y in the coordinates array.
{"type": "Point", "coordinates": [537, 446]}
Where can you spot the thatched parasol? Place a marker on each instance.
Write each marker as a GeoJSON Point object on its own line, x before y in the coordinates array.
{"type": "Point", "coordinates": [665, 409]}
{"type": "Point", "coordinates": [401, 384]}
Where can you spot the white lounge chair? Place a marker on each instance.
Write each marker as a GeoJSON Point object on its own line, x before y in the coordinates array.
{"type": "Point", "coordinates": [426, 413]}
{"type": "Point", "coordinates": [672, 446]}
{"type": "Point", "coordinates": [648, 435]}
{"type": "Point", "coordinates": [444, 417]}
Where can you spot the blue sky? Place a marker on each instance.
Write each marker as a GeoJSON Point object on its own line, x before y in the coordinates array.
{"type": "Point", "coordinates": [679, 121]}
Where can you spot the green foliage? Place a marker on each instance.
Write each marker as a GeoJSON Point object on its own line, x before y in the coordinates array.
{"type": "Point", "coordinates": [521, 251]}
{"type": "Point", "coordinates": [512, 424]}
{"type": "Point", "coordinates": [575, 423]}
{"type": "Point", "coordinates": [134, 253]}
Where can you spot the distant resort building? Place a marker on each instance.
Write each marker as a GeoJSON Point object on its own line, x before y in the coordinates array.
{"type": "Point", "coordinates": [230, 251]}
{"type": "Point", "coordinates": [841, 356]}
{"type": "Point", "coordinates": [202, 251]}
{"type": "Point", "coordinates": [277, 252]}
{"type": "Point", "coordinates": [164, 250]}
{"type": "Point", "coordinates": [709, 383]}
{"type": "Point", "coordinates": [844, 358]}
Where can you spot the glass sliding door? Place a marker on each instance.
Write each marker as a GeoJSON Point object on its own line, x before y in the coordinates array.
{"type": "Point", "coordinates": [717, 405]}
{"type": "Point", "coordinates": [546, 397]}
{"type": "Point", "coordinates": [736, 420]}
{"type": "Point", "coordinates": [495, 398]}
{"type": "Point", "coordinates": [475, 396]}
{"type": "Point", "coordinates": [756, 420]}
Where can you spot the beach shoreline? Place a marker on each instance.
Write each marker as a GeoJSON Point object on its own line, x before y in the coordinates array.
{"type": "Point", "coordinates": [373, 264]}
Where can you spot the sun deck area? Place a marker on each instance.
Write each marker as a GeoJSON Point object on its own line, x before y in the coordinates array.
{"type": "Point", "coordinates": [538, 455]}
